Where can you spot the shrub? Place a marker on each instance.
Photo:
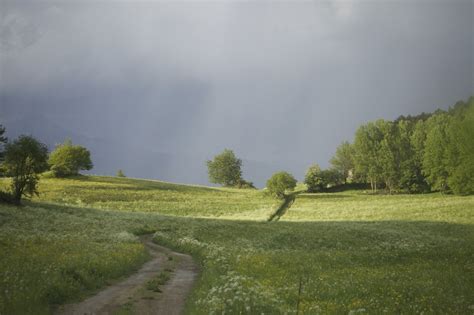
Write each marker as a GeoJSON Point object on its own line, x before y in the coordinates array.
{"type": "Point", "coordinates": [68, 159]}
{"type": "Point", "coordinates": [120, 173]}
{"type": "Point", "coordinates": [279, 183]}
{"type": "Point", "coordinates": [319, 180]}
{"type": "Point", "coordinates": [245, 184]}
{"type": "Point", "coordinates": [313, 178]}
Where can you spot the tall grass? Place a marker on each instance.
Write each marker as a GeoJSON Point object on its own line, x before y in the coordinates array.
{"type": "Point", "coordinates": [51, 255]}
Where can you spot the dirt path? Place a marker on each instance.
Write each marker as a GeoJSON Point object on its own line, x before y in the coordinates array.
{"type": "Point", "coordinates": [133, 296]}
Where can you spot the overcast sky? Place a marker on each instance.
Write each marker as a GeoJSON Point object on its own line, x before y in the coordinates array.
{"type": "Point", "coordinates": [281, 83]}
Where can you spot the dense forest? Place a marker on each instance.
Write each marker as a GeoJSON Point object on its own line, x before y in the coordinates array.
{"type": "Point", "coordinates": [423, 153]}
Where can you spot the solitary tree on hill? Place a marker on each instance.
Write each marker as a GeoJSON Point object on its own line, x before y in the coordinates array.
{"type": "Point", "coordinates": [225, 169]}
{"type": "Point", "coordinates": [68, 159]}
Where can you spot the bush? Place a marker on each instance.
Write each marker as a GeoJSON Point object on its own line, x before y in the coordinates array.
{"type": "Point", "coordinates": [319, 180]}
{"type": "Point", "coordinates": [68, 159]}
{"type": "Point", "coordinates": [120, 173]}
{"type": "Point", "coordinates": [331, 178]}
{"type": "Point", "coordinates": [313, 178]}
{"type": "Point", "coordinates": [280, 183]}
{"type": "Point", "coordinates": [243, 184]}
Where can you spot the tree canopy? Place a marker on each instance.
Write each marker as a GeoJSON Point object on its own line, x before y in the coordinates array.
{"type": "Point", "coordinates": [68, 159]}
{"type": "Point", "coordinates": [225, 169]}
{"type": "Point", "coordinates": [25, 158]}
{"type": "Point", "coordinates": [317, 179]}
{"type": "Point", "coordinates": [280, 183]}
{"type": "Point", "coordinates": [343, 160]}
{"type": "Point", "coordinates": [367, 143]}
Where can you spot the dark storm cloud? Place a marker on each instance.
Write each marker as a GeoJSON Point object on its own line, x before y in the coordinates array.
{"type": "Point", "coordinates": [170, 84]}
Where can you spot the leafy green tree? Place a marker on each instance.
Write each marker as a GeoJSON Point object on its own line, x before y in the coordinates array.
{"type": "Point", "coordinates": [68, 159]}
{"type": "Point", "coordinates": [367, 145]}
{"type": "Point", "coordinates": [225, 169]}
{"type": "Point", "coordinates": [461, 151]}
{"type": "Point", "coordinates": [418, 139]}
{"type": "Point", "coordinates": [331, 178]}
{"type": "Point", "coordinates": [120, 173]}
{"type": "Point", "coordinates": [313, 178]}
{"type": "Point", "coordinates": [435, 158]}
{"type": "Point", "coordinates": [343, 160]}
{"type": "Point", "coordinates": [25, 158]}
{"type": "Point", "coordinates": [280, 183]}
{"type": "Point", "coordinates": [389, 155]}
{"type": "Point", "coordinates": [412, 138]}
{"type": "Point", "coordinates": [318, 180]}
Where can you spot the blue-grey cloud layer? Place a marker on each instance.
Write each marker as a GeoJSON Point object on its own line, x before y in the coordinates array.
{"type": "Point", "coordinates": [282, 83]}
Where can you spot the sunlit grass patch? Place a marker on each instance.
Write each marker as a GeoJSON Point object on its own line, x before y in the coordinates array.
{"type": "Point", "coordinates": [358, 206]}
{"type": "Point", "coordinates": [111, 193]}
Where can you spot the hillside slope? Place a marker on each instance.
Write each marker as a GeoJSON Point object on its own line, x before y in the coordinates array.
{"type": "Point", "coordinates": [112, 193]}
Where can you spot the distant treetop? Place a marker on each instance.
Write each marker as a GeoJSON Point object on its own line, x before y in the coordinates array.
{"type": "Point", "coordinates": [68, 159]}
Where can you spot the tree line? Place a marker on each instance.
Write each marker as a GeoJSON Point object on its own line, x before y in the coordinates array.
{"type": "Point", "coordinates": [412, 154]}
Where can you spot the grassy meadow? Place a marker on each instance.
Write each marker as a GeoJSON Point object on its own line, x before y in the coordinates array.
{"type": "Point", "coordinates": [341, 253]}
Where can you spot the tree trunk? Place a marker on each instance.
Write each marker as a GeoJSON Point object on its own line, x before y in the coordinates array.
{"type": "Point", "coordinates": [17, 192]}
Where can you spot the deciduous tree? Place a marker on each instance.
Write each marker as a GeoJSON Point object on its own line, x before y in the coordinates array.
{"type": "Point", "coordinates": [280, 183]}
{"type": "Point", "coordinates": [367, 144]}
{"type": "Point", "coordinates": [435, 157]}
{"type": "Point", "coordinates": [68, 159]}
{"type": "Point", "coordinates": [25, 158]}
{"type": "Point", "coordinates": [225, 169]}
{"type": "Point", "coordinates": [343, 160]}
{"type": "Point", "coordinates": [461, 152]}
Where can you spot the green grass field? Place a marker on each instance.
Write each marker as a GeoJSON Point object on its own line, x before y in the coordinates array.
{"type": "Point", "coordinates": [330, 253]}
